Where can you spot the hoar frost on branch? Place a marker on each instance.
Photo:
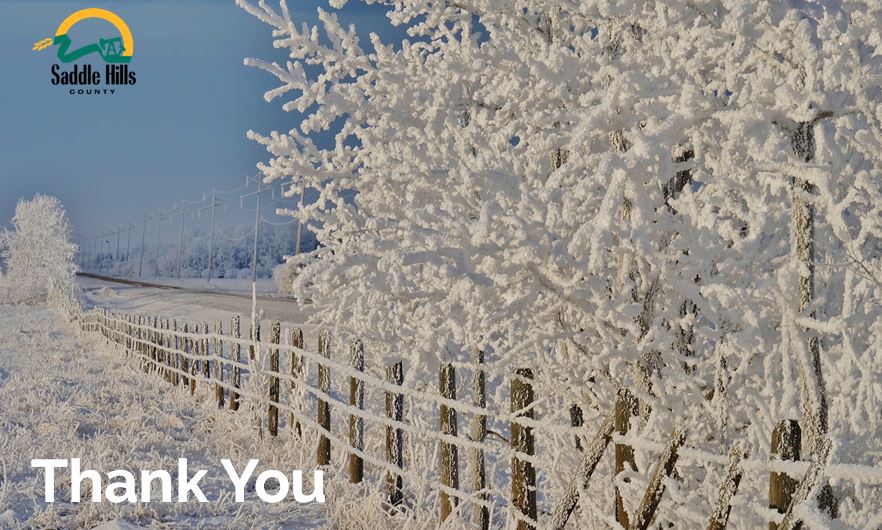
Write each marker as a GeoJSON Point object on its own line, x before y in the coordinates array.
{"type": "Point", "coordinates": [673, 197]}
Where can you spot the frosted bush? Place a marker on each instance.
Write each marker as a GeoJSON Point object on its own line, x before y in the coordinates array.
{"type": "Point", "coordinates": [679, 198]}
{"type": "Point", "coordinates": [38, 251]}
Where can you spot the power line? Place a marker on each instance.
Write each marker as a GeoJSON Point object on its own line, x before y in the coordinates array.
{"type": "Point", "coordinates": [94, 255]}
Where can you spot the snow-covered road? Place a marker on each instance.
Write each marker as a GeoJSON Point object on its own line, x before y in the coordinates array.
{"type": "Point", "coordinates": [184, 305]}
{"type": "Point", "coordinates": [66, 395]}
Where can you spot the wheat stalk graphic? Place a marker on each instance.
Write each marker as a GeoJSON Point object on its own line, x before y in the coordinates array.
{"type": "Point", "coordinates": [43, 44]}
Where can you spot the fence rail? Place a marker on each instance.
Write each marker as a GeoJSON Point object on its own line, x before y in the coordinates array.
{"type": "Point", "coordinates": [293, 385]}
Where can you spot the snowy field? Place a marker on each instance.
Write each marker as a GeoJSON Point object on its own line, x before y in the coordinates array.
{"type": "Point", "coordinates": [66, 395]}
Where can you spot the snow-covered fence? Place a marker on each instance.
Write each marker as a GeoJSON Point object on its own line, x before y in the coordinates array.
{"type": "Point", "coordinates": [391, 429]}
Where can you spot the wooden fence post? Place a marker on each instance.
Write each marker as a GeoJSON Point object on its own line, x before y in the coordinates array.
{"type": "Point", "coordinates": [151, 336]}
{"type": "Point", "coordinates": [323, 457]}
{"type": "Point", "coordinates": [166, 353]}
{"type": "Point", "coordinates": [142, 344]}
{"type": "Point", "coordinates": [157, 346]}
{"type": "Point", "coordinates": [356, 423]}
{"type": "Point", "coordinates": [132, 336]}
{"type": "Point", "coordinates": [808, 483]}
{"type": "Point", "coordinates": [195, 352]}
{"type": "Point", "coordinates": [206, 363]}
{"type": "Point", "coordinates": [154, 345]}
{"type": "Point", "coordinates": [449, 451]}
{"type": "Point", "coordinates": [656, 488]}
{"type": "Point", "coordinates": [194, 345]}
{"type": "Point", "coordinates": [478, 435]}
{"type": "Point", "coordinates": [185, 357]}
{"type": "Point", "coordinates": [272, 418]}
{"type": "Point", "coordinates": [176, 358]}
{"type": "Point", "coordinates": [395, 435]}
{"type": "Point", "coordinates": [523, 474]}
{"type": "Point", "coordinates": [218, 364]}
{"type": "Point", "coordinates": [236, 356]}
{"type": "Point", "coordinates": [142, 341]}
{"type": "Point", "coordinates": [786, 443]}
{"type": "Point", "coordinates": [296, 373]}
{"type": "Point", "coordinates": [146, 344]}
{"type": "Point", "coordinates": [626, 407]}
{"type": "Point", "coordinates": [723, 506]}
{"type": "Point", "coordinates": [128, 333]}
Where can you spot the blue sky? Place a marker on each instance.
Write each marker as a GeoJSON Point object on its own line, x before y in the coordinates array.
{"type": "Point", "coordinates": [178, 132]}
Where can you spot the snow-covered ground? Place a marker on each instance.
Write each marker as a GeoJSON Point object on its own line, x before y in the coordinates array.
{"type": "Point", "coordinates": [68, 395]}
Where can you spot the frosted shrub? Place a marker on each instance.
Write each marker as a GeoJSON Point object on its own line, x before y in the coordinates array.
{"type": "Point", "coordinates": [680, 198]}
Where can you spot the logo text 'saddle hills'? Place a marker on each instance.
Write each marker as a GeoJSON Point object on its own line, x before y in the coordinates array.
{"type": "Point", "coordinates": [116, 51]}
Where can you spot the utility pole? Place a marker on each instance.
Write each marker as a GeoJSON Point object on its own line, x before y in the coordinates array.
{"type": "Point", "coordinates": [184, 211]}
{"type": "Point", "coordinates": [256, 235]}
{"type": "Point", "coordinates": [299, 224]}
{"type": "Point", "coordinates": [118, 232]}
{"type": "Point", "coordinates": [214, 204]}
{"type": "Point", "coordinates": [180, 245]}
{"type": "Point", "coordinates": [103, 241]}
{"type": "Point", "coordinates": [84, 262]}
{"type": "Point", "coordinates": [158, 226]}
{"type": "Point", "coordinates": [143, 241]}
{"type": "Point", "coordinates": [129, 240]}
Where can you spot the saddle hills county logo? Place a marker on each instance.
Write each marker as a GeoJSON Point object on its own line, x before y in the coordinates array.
{"type": "Point", "coordinates": [116, 52]}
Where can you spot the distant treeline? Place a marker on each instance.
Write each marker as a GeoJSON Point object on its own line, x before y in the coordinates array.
{"type": "Point", "coordinates": [231, 256]}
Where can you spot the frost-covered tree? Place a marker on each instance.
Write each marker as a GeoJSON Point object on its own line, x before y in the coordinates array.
{"type": "Point", "coordinates": [38, 251]}
{"type": "Point", "coordinates": [679, 198]}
